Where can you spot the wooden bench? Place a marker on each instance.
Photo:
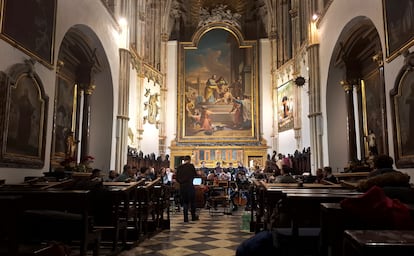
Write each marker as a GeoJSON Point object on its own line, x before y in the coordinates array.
{"type": "Point", "coordinates": [334, 221]}
{"type": "Point", "coordinates": [146, 203]}
{"type": "Point", "coordinates": [378, 242]}
{"type": "Point", "coordinates": [53, 215]}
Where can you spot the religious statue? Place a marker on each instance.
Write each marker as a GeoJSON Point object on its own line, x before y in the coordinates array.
{"type": "Point", "coordinates": [71, 145]}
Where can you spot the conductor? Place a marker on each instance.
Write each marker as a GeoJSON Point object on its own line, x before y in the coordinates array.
{"type": "Point", "coordinates": [185, 175]}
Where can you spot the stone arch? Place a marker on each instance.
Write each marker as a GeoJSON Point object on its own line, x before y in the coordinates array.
{"type": "Point", "coordinates": [82, 61]}
{"type": "Point", "coordinates": [355, 73]}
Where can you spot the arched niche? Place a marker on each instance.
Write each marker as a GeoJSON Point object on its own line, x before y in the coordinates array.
{"type": "Point", "coordinates": [355, 94]}
{"type": "Point", "coordinates": [82, 72]}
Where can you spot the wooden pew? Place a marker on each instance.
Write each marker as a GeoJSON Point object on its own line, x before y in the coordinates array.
{"type": "Point", "coordinates": [146, 200]}
{"type": "Point", "coordinates": [57, 207]}
{"type": "Point", "coordinates": [334, 222]}
{"type": "Point", "coordinates": [112, 210]}
{"type": "Point", "coordinates": [378, 242]}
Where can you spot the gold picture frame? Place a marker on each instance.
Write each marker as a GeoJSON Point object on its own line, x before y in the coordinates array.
{"type": "Point", "coordinates": [217, 88]}
{"type": "Point", "coordinates": [285, 109]}
{"type": "Point", "coordinates": [399, 26]}
{"type": "Point", "coordinates": [64, 118]}
{"type": "Point", "coordinates": [402, 109]}
{"type": "Point", "coordinates": [29, 25]}
{"type": "Point", "coordinates": [23, 117]}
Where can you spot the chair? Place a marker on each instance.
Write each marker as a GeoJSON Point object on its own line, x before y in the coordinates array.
{"type": "Point", "coordinates": [219, 197]}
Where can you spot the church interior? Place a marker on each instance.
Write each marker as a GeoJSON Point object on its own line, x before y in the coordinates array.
{"type": "Point", "coordinates": [296, 115]}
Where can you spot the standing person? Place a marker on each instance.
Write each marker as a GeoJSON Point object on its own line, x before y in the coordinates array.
{"type": "Point", "coordinates": [185, 175]}
{"type": "Point", "coordinates": [204, 168]}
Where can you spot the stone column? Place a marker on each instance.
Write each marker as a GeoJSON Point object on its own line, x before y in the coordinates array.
{"type": "Point", "coordinates": [163, 98]}
{"type": "Point", "coordinates": [349, 100]}
{"type": "Point", "coordinates": [123, 110]}
{"type": "Point", "coordinates": [273, 50]}
{"type": "Point", "coordinates": [315, 114]}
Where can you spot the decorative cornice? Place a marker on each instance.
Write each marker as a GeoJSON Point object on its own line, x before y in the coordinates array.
{"type": "Point", "coordinates": [152, 74]}
{"type": "Point", "coordinates": [219, 14]}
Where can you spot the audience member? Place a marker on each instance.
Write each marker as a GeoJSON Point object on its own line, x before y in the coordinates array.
{"type": "Point", "coordinates": [112, 175]}
{"type": "Point", "coordinates": [382, 164]}
{"type": "Point", "coordinates": [319, 175]}
{"type": "Point", "coordinates": [96, 175]}
{"type": "Point", "coordinates": [328, 176]}
{"type": "Point", "coordinates": [166, 176]}
{"type": "Point", "coordinates": [127, 175]}
{"type": "Point", "coordinates": [284, 176]}
{"type": "Point", "coordinates": [395, 183]}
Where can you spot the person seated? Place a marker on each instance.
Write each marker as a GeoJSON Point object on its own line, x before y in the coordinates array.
{"type": "Point", "coordinates": [218, 169]}
{"type": "Point", "coordinates": [224, 175]}
{"type": "Point", "coordinates": [242, 191]}
{"type": "Point", "coordinates": [382, 164]}
{"type": "Point", "coordinates": [204, 168]}
{"type": "Point", "coordinates": [319, 175]}
{"type": "Point", "coordinates": [112, 175]}
{"type": "Point", "coordinates": [284, 176]}
{"type": "Point", "coordinates": [96, 175]}
{"type": "Point", "coordinates": [212, 177]}
{"type": "Point", "coordinates": [328, 177]}
{"type": "Point", "coordinates": [258, 173]}
{"type": "Point", "coordinates": [395, 183]}
{"type": "Point", "coordinates": [144, 174]}
{"type": "Point", "coordinates": [127, 175]}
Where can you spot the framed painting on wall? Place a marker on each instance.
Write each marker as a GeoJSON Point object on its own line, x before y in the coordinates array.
{"type": "Point", "coordinates": [30, 26]}
{"type": "Point", "coordinates": [399, 26]}
{"type": "Point", "coordinates": [23, 118]}
{"type": "Point", "coordinates": [285, 106]}
{"type": "Point", "coordinates": [402, 109]}
{"type": "Point", "coordinates": [218, 94]}
{"type": "Point", "coordinates": [64, 118]}
{"type": "Point", "coordinates": [374, 114]}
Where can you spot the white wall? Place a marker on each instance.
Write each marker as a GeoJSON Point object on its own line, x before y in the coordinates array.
{"type": "Point", "coordinates": [69, 13]}
{"type": "Point", "coordinates": [150, 136]}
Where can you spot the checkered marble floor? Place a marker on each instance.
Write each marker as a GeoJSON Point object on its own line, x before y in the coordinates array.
{"type": "Point", "coordinates": [210, 235]}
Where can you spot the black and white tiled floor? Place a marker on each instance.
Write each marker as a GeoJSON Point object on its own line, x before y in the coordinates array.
{"type": "Point", "coordinates": [210, 235]}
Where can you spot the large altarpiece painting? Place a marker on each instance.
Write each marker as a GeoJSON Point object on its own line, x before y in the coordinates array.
{"type": "Point", "coordinates": [218, 91]}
